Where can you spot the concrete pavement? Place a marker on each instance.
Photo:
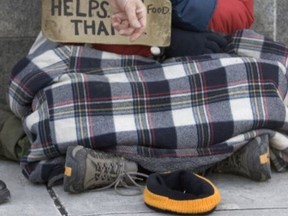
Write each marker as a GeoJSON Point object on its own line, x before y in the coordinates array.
{"type": "Point", "coordinates": [240, 196]}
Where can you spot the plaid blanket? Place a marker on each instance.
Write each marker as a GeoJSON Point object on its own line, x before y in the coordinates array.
{"type": "Point", "coordinates": [187, 112]}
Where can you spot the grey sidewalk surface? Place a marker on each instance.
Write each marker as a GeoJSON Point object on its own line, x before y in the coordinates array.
{"type": "Point", "coordinates": [240, 196]}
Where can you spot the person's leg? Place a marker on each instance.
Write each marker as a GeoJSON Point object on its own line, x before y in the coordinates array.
{"type": "Point", "coordinates": [13, 140]}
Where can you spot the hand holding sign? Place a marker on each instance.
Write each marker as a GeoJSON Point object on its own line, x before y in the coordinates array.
{"type": "Point", "coordinates": [129, 17]}
{"type": "Point", "coordinates": [89, 21]}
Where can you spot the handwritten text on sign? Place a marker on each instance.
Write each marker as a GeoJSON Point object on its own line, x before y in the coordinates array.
{"type": "Point", "coordinates": [88, 21]}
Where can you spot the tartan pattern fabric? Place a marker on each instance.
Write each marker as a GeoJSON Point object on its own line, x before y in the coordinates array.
{"type": "Point", "coordinates": [183, 108]}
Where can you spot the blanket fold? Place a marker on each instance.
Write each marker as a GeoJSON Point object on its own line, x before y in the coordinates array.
{"type": "Point", "coordinates": [190, 111]}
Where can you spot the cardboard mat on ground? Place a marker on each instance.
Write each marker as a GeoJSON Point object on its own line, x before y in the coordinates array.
{"type": "Point", "coordinates": [88, 21]}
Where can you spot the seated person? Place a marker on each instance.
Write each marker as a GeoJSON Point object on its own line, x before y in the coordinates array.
{"type": "Point", "coordinates": [203, 33]}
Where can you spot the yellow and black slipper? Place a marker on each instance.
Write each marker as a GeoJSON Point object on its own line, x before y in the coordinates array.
{"type": "Point", "coordinates": [181, 192]}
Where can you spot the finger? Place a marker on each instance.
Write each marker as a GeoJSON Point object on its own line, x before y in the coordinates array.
{"type": "Point", "coordinates": [118, 27]}
{"type": "Point", "coordinates": [142, 16]}
{"type": "Point", "coordinates": [120, 15]}
{"type": "Point", "coordinates": [132, 16]}
{"type": "Point", "coordinates": [126, 31]}
{"type": "Point", "coordinates": [139, 31]}
{"type": "Point", "coordinates": [117, 19]}
{"type": "Point", "coordinates": [123, 25]}
{"type": "Point", "coordinates": [136, 34]}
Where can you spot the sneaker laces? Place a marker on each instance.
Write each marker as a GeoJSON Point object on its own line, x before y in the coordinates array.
{"type": "Point", "coordinates": [133, 177]}
{"type": "Point", "coordinates": [106, 174]}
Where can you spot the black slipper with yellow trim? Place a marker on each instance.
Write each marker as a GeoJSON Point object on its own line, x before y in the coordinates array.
{"type": "Point", "coordinates": [181, 192]}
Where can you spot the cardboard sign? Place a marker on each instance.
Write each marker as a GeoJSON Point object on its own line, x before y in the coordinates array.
{"type": "Point", "coordinates": [88, 21]}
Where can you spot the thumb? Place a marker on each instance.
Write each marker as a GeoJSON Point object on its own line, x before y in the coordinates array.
{"type": "Point", "coordinates": [131, 13]}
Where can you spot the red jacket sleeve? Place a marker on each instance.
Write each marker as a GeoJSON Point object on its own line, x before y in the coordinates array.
{"type": "Point", "coordinates": [232, 15]}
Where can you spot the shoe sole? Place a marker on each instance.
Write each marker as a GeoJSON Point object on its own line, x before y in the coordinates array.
{"type": "Point", "coordinates": [264, 169]}
{"type": "Point", "coordinates": [260, 164]}
{"type": "Point", "coordinates": [4, 195]}
{"type": "Point", "coordinates": [74, 170]}
{"type": "Point", "coordinates": [264, 161]}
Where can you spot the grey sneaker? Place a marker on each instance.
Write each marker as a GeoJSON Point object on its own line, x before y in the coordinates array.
{"type": "Point", "coordinates": [251, 161]}
{"type": "Point", "coordinates": [88, 169]}
{"type": "Point", "coordinates": [4, 192]}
